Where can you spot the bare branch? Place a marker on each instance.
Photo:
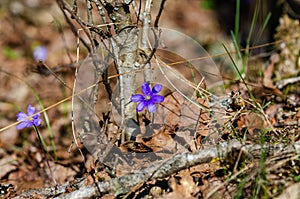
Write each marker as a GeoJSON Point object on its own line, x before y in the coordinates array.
{"type": "Point", "coordinates": [123, 184]}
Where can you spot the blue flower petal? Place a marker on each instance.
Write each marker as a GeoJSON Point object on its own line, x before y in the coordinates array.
{"type": "Point", "coordinates": [21, 116]}
{"type": "Point", "coordinates": [29, 124]}
{"type": "Point", "coordinates": [146, 89]}
{"type": "Point", "coordinates": [137, 98]}
{"type": "Point", "coordinates": [151, 107]}
{"type": "Point", "coordinates": [157, 88]}
{"type": "Point", "coordinates": [40, 53]}
{"type": "Point", "coordinates": [157, 99]}
{"type": "Point", "coordinates": [22, 125]}
{"type": "Point", "coordinates": [141, 106]}
{"type": "Point", "coordinates": [30, 110]}
{"type": "Point", "coordinates": [37, 122]}
{"type": "Point", "coordinates": [36, 116]}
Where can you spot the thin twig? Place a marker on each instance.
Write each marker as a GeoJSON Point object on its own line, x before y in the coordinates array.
{"type": "Point", "coordinates": [64, 7]}
{"type": "Point", "coordinates": [162, 4]}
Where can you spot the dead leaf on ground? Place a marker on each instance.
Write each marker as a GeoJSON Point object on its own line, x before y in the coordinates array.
{"type": "Point", "coordinates": [7, 164]}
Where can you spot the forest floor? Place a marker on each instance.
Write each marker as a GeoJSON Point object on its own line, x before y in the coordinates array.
{"type": "Point", "coordinates": [263, 111]}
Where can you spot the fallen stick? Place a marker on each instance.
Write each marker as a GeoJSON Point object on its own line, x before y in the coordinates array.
{"type": "Point", "coordinates": [123, 184]}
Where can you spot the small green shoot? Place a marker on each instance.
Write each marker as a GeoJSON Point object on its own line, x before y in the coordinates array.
{"type": "Point", "coordinates": [240, 188]}
{"type": "Point", "coordinates": [208, 4]}
{"type": "Point", "coordinates": [10, 53]}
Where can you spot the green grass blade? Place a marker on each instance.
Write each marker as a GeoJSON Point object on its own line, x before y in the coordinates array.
{"type": "Point", "coordinates": [266, 21]}
{"type": "Point", "coordinates": [237, 19]}
{"type": "Point", "coordinates": [253, 24]}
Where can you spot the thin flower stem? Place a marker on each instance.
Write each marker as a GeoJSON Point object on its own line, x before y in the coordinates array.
{"type": "Point", "coordinates": [44, 152]}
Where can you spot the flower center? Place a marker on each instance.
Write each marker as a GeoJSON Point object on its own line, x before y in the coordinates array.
{"type": "Point", "coordinates": [147, 97]}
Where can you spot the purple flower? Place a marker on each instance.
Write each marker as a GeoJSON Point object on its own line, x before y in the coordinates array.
{"type": "Point", "coordinates": [40, 53]}
{"type": "Point", "coordinates": [28, 119]}
{"type": "Point", "coordinates": [148, 98]}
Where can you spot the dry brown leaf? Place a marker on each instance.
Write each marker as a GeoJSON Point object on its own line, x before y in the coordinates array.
{"type": "Point", "coordinates": [172, 109]}
{"type": "Point", "coordinates": [7, 164]}
{"type": "Point", "coordinates": [182, 188]}
{"type": "Point", "coordinates": [160, 140]}
{"type": "Point", "coordinates": [252, 121]}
